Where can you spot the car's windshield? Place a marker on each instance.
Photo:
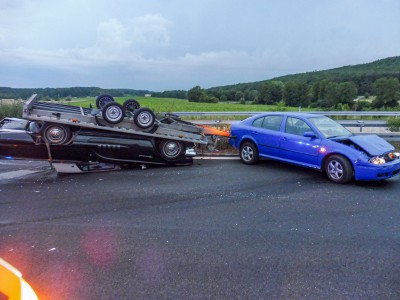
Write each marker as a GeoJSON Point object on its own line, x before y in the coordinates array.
{"type": "Point", "coordinates": [328, 127]}
{"type": "Point", "coordinates": [13, 124]}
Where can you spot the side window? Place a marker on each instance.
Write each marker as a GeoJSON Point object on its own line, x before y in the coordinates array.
{"type": "Point", "coordinates": [272, 122]}
{"type": "Point", "coordinates": [258, 122]}
{"type": "Point", "coordinates": [296, 126]}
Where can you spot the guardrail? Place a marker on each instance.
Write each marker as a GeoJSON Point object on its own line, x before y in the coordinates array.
{"type": "Point", "coordinates": [345, 123]}
{"type": "Point", "coordinates": [326, 113]}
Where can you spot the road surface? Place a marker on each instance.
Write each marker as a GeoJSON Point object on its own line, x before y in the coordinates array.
{"type": "Point", "coordinates": [215, 230]}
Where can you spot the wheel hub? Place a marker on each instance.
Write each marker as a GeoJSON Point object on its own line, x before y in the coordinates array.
{"type": "Point", "coordinates": [144, 118]}
{"type": "Point", "coordinates": [335, 169]}
{"type": "Point", "coordinates": [247, 153]}
{"type": "Point", "coordinates": [55, 134]}
{"type": "Point", "coordinates": [171, 149]}
{"type": "Point", "coordinates": [113, 113]}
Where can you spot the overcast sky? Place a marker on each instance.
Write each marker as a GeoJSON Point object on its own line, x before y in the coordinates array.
{"type": "Point", "coordinates": [177, 44]}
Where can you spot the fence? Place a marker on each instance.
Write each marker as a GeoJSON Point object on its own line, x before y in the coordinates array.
{"type": "Point", "coordinates": [326, 113]}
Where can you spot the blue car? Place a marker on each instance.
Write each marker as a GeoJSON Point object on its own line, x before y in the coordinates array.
{"type": "Point", "coordinates": [317, 142]}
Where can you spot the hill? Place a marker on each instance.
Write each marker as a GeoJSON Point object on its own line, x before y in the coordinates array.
{"type": "Point", "coordinates": [363, 75]}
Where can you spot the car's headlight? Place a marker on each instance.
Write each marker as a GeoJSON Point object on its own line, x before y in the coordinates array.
{"type": "Point", "coordinates": [394, 155]}
{"type": "Point", "coordinates": [377, 160]}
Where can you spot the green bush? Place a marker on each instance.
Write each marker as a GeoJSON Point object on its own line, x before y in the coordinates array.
{"type": "Point", "coordinates": [11, 110]}
{"type": "Point", "coordinates": [394, 124]}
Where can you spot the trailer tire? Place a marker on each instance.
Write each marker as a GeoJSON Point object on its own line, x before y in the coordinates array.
{"type": "Point", "coordinates": [144, 118]}
{"type": "Point", "coordinates": [113, 112]}
{"type": "Point", "coordinates": [102, 100]}
{"type": "Point", "coordinates": [130, 106]}
{"type": "Point", "coordinates": [172, 150]}
{"type": "Point", "coordinates": [56, 134]}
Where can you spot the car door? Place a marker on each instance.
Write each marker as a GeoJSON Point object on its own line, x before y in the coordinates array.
{"type": "Point", "coordinates": [294, 146]}
{"type": "Point", "coordinates": [266, 131]}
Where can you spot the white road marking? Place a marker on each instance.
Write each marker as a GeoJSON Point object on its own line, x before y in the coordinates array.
{"type": "Point", "coordinates": [16, 174]}
{"type": "Point", "coordinates": [9, 163]}
{"type": "Point", "coordinates": [218, 157]}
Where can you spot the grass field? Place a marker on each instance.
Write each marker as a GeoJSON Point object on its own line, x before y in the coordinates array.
{"type": "Point", "coordinates": [179, 105]}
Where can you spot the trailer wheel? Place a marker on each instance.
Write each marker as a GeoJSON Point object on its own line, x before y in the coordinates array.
{"type": "Point", "coordinates": [56, 134]}
{"type": "Point", "coordinates": [144, 118]}
{"type": "Point", "coordinates": [171, 150]}
{"type": "Point", "coordinates": [113, 112]}
{"type": "Point", "coordinates": [103, 100]}
{"type": "Point", "coordinates": [130, 106]}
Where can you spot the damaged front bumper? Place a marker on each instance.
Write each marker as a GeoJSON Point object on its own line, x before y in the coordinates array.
{"type": "Point", "coordinates": [368, 171]}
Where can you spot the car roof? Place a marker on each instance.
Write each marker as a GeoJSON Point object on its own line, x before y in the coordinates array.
{"type": "Point", "coordinates": [294, 114]}
{"type": "Point", "coordinates": [285, 113]}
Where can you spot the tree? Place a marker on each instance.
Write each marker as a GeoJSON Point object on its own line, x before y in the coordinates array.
{"type": "Point", "coordinates": [347, 92]}
{"type": "Point", "coordinates": [253, 95]}
{"type": "Point", "coordinates": [196, 94]}
{"type": "Point", "coordinates": [239, 96]}
{"type": "Point", "coordinates": [271, 92]}
{"type": "Point", "coordinates": [296, 94]}
{"type": "Point", "coordinates": [331, 95]}
{"type": "Point", "coordinates": [387, 91]}
{"type": "Point", "coordinates": [318, 90]}
{"type": "Point", "coordinates": [223, 98]}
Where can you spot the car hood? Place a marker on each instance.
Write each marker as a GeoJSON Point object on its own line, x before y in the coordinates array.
{"type": "Point", "coordinates": [372, 144]}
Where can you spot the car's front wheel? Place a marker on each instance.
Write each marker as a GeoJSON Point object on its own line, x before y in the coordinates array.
{"type": "Point", "coordinates": [249, 153]}
{"type": "Point", "coordinates": [338, 169]}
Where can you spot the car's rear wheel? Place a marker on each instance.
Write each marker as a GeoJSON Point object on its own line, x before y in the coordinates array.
{"type": "Point", "coordinates": [113, 112]}
{"type": "Point", "coordinates": [56, 134]}
{"type": "Point", "coordinates": [249, 153]}
{"type": "Point", "coordinates": [172, 150]}
{"type": "Point", "coordinates": [338, 169]}
{"type": "Point", "coordinates": [144, 118]}
{"type": "Point", "coordinates": [103, 100]}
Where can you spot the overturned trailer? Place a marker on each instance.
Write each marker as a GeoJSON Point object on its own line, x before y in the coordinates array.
{"type": "Point", "coordinates": [74, 138]}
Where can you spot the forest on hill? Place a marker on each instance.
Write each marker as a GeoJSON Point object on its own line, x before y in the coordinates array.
{"type": "Point", "coordinates": [333, 88]}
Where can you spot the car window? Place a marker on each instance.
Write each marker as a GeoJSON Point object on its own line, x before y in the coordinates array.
{"type": "Point", "coordinates": [272, 122]}
{"type": "Point", "coordinates": [328, 127]}
{"type": "Point", "coordinates": [13, 124]}
{"type": "Point", "coordinates": [258, 122]}
{"type": "Point", "coordinates": [296, 126]}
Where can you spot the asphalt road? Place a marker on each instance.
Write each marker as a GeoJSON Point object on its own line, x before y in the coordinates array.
{"type": "Point", "coordinates": [215, 230]}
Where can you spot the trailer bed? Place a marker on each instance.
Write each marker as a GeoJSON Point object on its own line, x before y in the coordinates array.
{"type": "Point", "coordinates": [168, 127]}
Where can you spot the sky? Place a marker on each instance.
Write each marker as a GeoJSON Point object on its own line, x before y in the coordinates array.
{"type": "Point", "coordinates": [161, 45]}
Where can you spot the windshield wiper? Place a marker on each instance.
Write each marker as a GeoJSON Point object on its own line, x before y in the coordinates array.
{"type": "Point", "coordinates": [336, 136]}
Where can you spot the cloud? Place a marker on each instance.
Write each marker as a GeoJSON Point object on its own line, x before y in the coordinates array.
{"type": "Point", "coordinates": [178, 44]}
{"type": "Point", "coordinates": [8, 4]}
{"type": "Point", "coordinates": [116, 43]}
{"type": "Point", "coordinates": [151, 30]}
{"type": "Point", "coordinates": [112, 36]}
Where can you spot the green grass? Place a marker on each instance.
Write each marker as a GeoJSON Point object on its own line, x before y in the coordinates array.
{"type": "Point", "coordinates": [179, 105]}
{"type": "Point", "coordinates": [10, 110]}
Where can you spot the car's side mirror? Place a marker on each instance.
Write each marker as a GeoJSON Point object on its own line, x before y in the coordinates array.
{"type": "Point", "coordinates": [309, 134]}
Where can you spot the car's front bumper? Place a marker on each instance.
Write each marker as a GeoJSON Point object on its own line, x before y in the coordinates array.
{"type": "Point", "coordinates": [367, 171]}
